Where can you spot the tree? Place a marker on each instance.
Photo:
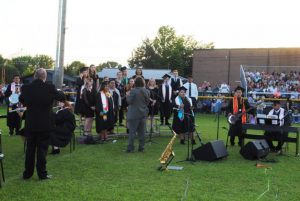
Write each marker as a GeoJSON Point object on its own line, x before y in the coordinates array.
{"type": "Point", "coordinates": [73, 68]}
{"type": "Point", "coordinates": [111, 64]}
{"type": "Point", "coordinates": [167, 50]}
{"type": "Point", "coordinates": [10, 70]}
{"type": "Point", "coordinates": [22, 63]}
{"type": "Point", "coordinates": [26, 65]}
{"type": "Point", "coordinates": [42, 61]}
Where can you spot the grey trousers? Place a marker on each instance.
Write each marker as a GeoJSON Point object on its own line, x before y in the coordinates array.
{"type": "Point", "coordinates": [136, 126]}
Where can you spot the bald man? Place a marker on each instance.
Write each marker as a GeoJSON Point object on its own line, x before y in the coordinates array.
{"type": "Point", "coordinates": [38, 97]}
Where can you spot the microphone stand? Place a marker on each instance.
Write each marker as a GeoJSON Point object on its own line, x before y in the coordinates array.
{"type": "Point", "coordinates": [189, 157]}
{"type": "Point", "coordinates": [218, 124]}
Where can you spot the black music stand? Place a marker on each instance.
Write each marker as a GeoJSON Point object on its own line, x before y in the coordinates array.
{"type": "Point", "coordinates": [151, 127]}
{"type": "Point", "coordinates": [218, 123]}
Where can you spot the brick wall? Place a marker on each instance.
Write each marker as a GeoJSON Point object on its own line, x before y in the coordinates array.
{"type": "Point", "coordinates": [222, 65]}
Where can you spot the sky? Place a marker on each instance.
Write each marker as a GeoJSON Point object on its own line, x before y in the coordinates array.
{"type": "Point", "coordinates": [98, 31]}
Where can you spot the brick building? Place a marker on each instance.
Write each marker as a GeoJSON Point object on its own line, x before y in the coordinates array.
{"type": "Point", "coordinates": [223, 65]}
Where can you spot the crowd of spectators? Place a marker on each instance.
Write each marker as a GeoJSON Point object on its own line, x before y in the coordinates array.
{"type": "Point", "coordinates": [275, 84]}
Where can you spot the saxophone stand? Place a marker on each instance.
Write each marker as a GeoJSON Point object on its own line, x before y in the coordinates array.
{"type": "Point", "coordinates": [189, 151]}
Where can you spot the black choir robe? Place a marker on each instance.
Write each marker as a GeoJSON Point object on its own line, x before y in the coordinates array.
{"type": "Point", "coordinates": [102, 124]}
{"type": "Point", "coordinates": [64, 127]}
{"type": "Point", "coordinates": [165, 102]}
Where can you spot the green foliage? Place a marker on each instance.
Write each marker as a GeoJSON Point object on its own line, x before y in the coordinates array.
{"type": "Point", "coordinates": [111, 64]}
{"type": "Point", "coordinates": [22, 63]}
{"type": "Point", "coordinates": [167, 50]}
{"type": "Point", "coordinates": [2, 60]}
{"type": "Point", "coordinates": [42, 61]}
{"type": "Point", "coordinates": [106, 172]}
{"type": "Point", "coordinates": [27, 64]}
{"type": "Point", "coordinates": [73, 68]}
{"type": "Point", "coordinates": [10, 71]}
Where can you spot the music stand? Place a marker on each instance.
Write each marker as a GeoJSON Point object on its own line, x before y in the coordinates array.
{"type": "Point", "coordinates": [151, 127]}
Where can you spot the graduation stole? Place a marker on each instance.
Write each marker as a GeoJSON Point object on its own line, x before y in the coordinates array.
{"type": "Point", "coordinates": [124, 80]}
{"type": "Point", "coordinates": [104, 100]}
{"type": "Point", "coordinates": [180, 114]}
{"type": "Point", "coordinates": [14, 86]}
{"type": "Point", "coordinates": [236, 108]}
{"type": "Point", "coordinates": [163, 87]}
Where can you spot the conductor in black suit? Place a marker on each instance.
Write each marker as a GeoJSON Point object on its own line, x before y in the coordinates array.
{"type": "Point", "coordinates": [38, 97]}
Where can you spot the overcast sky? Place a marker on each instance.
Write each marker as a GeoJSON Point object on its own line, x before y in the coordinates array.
{"type": "Point", "coordinates": [98, 30]}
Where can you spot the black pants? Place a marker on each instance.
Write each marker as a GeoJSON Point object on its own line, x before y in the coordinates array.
{"type": "Point", "coordinates": [194, 102]}
{"type": "Point", "coordinates": [275, 136]}
{"type": "Point", "coordinates": [37, 144]}
{"type": "Point", "coordinates": [236, 130]}
{"type": "Point", "coordinates": [13, 122]}
{"type": "Point", "coordinates": [165, 112]}
{"type": "Point", "coordinates": [121, 115]}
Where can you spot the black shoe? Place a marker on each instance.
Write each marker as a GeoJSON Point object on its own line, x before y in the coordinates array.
{"type": "Point", "coordinates": [26, 177]}
{"type": "Point", "coordinates": [232, 144]}
{"type": "Point", "coordinates": [273, 149]}
{"type": "Point", "coordinates": [278, 149]}
{"type": "Point", "coordinates": [55, 151]}
{"type": "Point", "coordinates": [193, 142]}
{"type": "Point", "coordinates": [129, 151]}
{"type": "Point", "coordinates": [140, 150]}
{"type": "Point", "coordinates": [120, 124]}
{"type": "Point", "coordinates": [168, 124]}
{"type": "Point", "coordinates": [182, 142]}
{"type": "Point", "coordinates": [127, 131]}
{"type": "Point", "coordinates": [46, 177]}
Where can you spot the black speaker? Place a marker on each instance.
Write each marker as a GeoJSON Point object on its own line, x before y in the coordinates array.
{"type": "Point", "coordinates": [255, 150]}
{"type": "Point", "coordinates": [210, 151]}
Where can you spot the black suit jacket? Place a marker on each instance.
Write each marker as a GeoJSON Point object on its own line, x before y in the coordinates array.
{"type": "Point", "coordinates": [38, 97]}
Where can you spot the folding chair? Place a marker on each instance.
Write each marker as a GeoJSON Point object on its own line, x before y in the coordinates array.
{"type": "Point", "coordinates": [1, 160]}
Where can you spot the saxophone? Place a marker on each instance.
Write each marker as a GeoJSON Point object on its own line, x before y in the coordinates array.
{"type": "Point", "coordinates": [168, 154]}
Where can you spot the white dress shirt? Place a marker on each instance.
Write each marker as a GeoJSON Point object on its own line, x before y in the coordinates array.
{"type": "Point", "coordinates": [281, 115]}
{"type": "Point", "coordinates": [194, 90]}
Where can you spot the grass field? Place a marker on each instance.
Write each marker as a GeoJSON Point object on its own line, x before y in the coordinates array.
{"type": "Point", "coordinates": [106, 172]}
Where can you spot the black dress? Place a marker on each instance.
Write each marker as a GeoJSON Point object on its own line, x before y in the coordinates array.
{"type": "Point", "coordinates": [153, 109]}
{"type": "Point", "coordinates": [102, 124]}
{"type": "Point", "coordinates": [116, 104]}
{"type": "Point", "coordinates": [79, 83]}
{"type": "Point", "coordinates": [64, 128]}
{"type": "Point", "coordinates": [187, 123]}
{"type": "Point", "coordinates": [165, 103]}
{"type": "Point", "coordinates": [88, 101]}
{"type": "Point", "coordinates": [95, 78]}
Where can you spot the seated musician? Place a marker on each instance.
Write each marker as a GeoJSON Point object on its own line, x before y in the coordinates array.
{"type": "Point", "coordinates": [64, 125]}
{"type": "Point", "coordinates": [277, 136]}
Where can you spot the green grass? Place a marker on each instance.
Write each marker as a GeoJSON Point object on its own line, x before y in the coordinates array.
{"type": "Point", "coordinates": [106, 172]}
